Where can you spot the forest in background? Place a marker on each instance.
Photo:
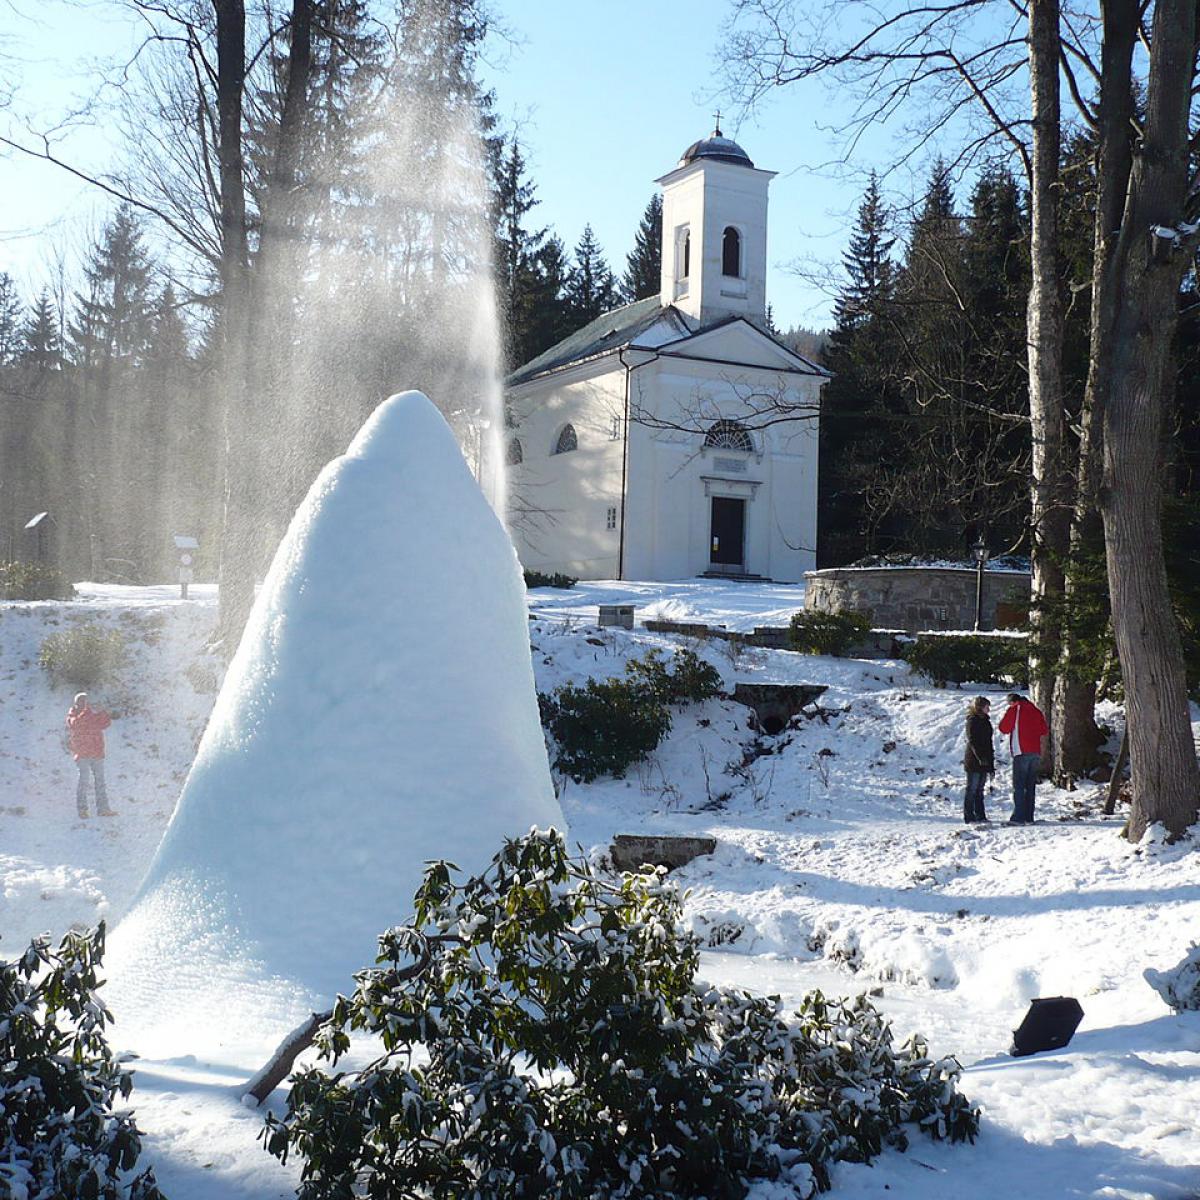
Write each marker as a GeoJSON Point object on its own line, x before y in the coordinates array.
{"type": "Point", "coordinates": [337, 214]}
{"type": "Point", "coordinates": [375, 203]}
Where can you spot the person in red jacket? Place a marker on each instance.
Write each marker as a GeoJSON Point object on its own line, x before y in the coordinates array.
{"type": "Point", "coordinates": [85, 740]}
{"type": "Point", "coordinates": [1026, 727]}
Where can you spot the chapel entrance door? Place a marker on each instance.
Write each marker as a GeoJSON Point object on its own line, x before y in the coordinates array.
{"type": "Point", "coordinates": [727, 544]}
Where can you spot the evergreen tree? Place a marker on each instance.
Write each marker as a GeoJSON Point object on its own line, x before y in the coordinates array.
{"type": "Point", "coordinates": [10, 320]}
{"type": "Point", "coordinates": [869, 270]}
{"type": "Point", "coordinates": [862, 395]}
{"type": "Point", "coordinates": [643, 267]}
{"type": "Point", "coordinates": [530, 272]}
{"type": "Point", "coordinates": [40, 348]}
{"type": "Point", "coordinates": [549, 319]}
{"type": "Point", "coordinates": [591, 288]}
{"type": "Point", "coordinates": [112, 320]}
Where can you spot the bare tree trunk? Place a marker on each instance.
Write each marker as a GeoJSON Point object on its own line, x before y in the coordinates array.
{"type": "Point", "coordinates": [1076, 736]}
{"type": "Point", "coordinates": [278, 267]}
{"type": "Point", "coordinates": [279, 1066]}
{"type": "Point", "coordinates": [1150, 264]}
{"type": "Point", "coordinates": [1049, 514]}
{"type": "Point", "coordinates": [237, 519]}
{"type": "Point", "coordinates": [1114, 784]}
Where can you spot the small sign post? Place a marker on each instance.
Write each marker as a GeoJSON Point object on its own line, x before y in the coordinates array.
{"type": "Point", "coordinates": [185, 544]}
{"type": "Point", "coordinates": [40, 524]}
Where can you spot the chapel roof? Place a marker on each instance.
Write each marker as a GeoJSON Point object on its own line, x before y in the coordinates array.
{"type": "Point", "coordinates": [609, 331]}
{"type": "Point", "coordinates": [621, 327]}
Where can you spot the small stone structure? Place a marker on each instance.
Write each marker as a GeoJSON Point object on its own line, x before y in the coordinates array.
{"type": "Point", "coordinates": [619, 615]}
{"type": "Point", "coordinates": [775, 704]}
{"type": "Point", "coordinates": [630, 851]}
{"type": "Point", "coordinates": [914, 599]}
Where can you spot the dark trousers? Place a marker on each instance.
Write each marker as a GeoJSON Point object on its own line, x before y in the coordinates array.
{"type": "Point", "coordinates": [973, 797]}
{"type": "Point", "coordinates": [1025, 773]}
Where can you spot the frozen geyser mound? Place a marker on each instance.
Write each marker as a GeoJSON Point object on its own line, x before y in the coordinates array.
{"type": "Point", "coordinates": [380, 712]}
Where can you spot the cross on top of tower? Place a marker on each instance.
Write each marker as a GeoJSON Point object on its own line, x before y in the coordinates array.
{"type": "Point", "coordinates": [717, 125]}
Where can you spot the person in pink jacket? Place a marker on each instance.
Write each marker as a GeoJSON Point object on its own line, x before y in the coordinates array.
{"type": "Point", "coordinates": [1026, 727]}
{"type": "Point", "coordinates": [85, 740]}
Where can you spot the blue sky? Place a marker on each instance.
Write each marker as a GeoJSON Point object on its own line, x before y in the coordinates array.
{"type": "Point", "coordinates": [607, 94]}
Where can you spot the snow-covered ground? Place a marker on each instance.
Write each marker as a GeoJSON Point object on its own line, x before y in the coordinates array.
{"type": "Point", "coordinates": [842, 863]}
{"type": "Point", "coordinates": [736, 606]}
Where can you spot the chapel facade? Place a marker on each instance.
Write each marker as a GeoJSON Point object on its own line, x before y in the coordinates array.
{"type": "Point", "coordinates": [674, 436]}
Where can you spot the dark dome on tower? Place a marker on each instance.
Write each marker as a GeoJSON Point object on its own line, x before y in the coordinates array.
{"type": "Point", "coordinates": [717, 146]}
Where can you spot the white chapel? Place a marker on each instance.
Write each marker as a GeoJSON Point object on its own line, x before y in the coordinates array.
{"type": "Point", "coordinates": [674, 436]}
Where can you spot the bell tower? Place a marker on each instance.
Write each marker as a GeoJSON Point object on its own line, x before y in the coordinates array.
{"type": "Point", "coordinates": [714, 235]}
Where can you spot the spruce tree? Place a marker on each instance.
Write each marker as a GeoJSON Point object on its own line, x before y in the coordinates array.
{"type": "Point", "coordinates": [40, 348]}
{"type": "Point", "coordinates": [869, 271]}
{"type": "Point", "coordinates": [549, 319]}
{"type": "Point", "coordinates": [643, 267]}
{"type": "Point", "coordinates": [112, 317]}
{"type": "Point", "coordinates": [857, 402]}
{"type": "Point", "coordinates": [10, 320]}
{"type": "Point", "coordinates": [530, 271]}
{"type": "Point", "coordinates": [591, 288]}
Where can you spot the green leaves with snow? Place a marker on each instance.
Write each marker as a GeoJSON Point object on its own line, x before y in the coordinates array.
{"type": "Point", "coordinates": [544, 1035]}
{"type": "Point", "coordinates": [60, 1135]}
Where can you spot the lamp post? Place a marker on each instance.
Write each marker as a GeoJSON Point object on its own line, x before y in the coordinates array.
{"type": "Point", "coordinates": [980, 552]}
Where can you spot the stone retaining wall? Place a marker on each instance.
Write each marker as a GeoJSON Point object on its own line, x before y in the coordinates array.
{"type": "Point", "coordinates": [918, 598]}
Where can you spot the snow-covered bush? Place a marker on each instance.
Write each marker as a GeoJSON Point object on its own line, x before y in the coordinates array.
{"type": "Point", "coordinates": [83, 656]}
{"type": "Point", "coordinates": [605, 726]}
{"type": "Point", "coordinates": [536, 579]}
{"type": "Point", "coordinates": [1180, 986]}
{"type": "Point", "coordinates": [33, 581]}
{"type": "Point", "coordinates": [544, 1035]}
{"type": "Point", "coordinates": [687, 680]}
{"type": "Point", "coordinates": [969, 658]}
{"type": "Point", "coordinates": [833, 633]}
{"type": "Point", "coordinates": [60, 1136]}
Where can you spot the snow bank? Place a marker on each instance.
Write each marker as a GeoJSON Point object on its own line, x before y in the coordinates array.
{"type": "Point", "coordinates": [380, 712]}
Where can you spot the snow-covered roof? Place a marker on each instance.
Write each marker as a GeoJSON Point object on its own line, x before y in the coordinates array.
{"type": "Point", "coordinates": [610, 331]}
{"type": "Point", "coordinates": [644, 323]}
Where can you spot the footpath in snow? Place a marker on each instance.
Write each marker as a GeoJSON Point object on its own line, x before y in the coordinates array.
{"type": "Point", "coordinates": [842, 863]}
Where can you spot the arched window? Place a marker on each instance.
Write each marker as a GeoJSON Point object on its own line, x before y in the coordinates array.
{"type": "Point", "coordinates": [728, 435]}
{"type": "Point", "coordinates": [731, 253]}
{"type": "Point", "coordinates": [514, 454]}
{"type": "Point", "coordinates": [567, 441]}
{"type": "Point", "coordinates": [687, 253]}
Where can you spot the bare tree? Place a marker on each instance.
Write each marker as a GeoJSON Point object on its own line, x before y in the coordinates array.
{"type": "Point", "coordinates": [1112, 121]}
{"type": "Point", "coordinates": [1050, 486]}
{"type": "Point", "coordinates": [1158, 236]}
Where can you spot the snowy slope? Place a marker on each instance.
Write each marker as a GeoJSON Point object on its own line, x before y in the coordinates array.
{"type": "Point", "coordinates": [848, 870]}
{"type": "Point", "coordinates": [56, 870]}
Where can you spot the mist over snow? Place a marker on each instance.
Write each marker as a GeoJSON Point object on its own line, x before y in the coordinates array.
{"type": "Point", "coordinates": [380, 712]}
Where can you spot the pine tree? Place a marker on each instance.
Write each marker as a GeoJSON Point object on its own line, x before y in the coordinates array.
{"type": "Point", "coordinates": [530, 273]}
{"type": "Point", "coordinates": [869, 270]}
{"type": "Point", "coordinates": [591, 288]}
{"type": "Point", "coordinates": [112, 319]}
{"type": "Point", "coordinates": [858, 401]}
{"type": "Point", "coordinates": [643, 267]}
{"type": "Point", "coordinates": [40, 348]}
{"type": "Point", "coordinates": [549, 318]}
{"type": "Point", "coordinates": [10, 320]}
